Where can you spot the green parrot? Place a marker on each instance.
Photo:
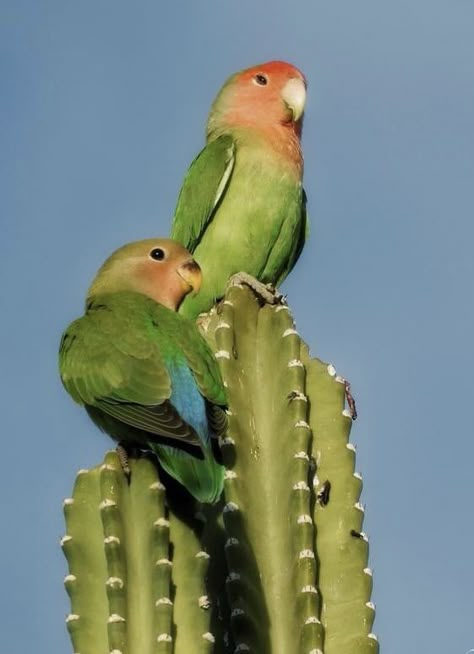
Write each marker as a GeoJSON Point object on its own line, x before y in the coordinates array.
{"type": "Point", "coordinates": [242, 207]}
{"type": "Point", "coordinates": [142, 371]}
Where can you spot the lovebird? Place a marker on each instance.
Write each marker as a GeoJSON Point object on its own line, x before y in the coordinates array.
{"type": "Point", "coordinates": [242, 207]}
{"type": "Point", "coordinates": [143, 372]}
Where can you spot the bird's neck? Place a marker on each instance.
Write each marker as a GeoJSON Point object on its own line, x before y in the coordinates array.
{"type": "Point", "coordinates": [279, 143]}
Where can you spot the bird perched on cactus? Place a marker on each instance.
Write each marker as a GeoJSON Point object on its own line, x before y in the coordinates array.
{"type": "Point", "coordinates": [143, 372]}
{"type": "Point", "coordinates": [242, 206]}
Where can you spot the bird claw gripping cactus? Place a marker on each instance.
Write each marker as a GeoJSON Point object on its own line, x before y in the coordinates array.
{"type": "Point", "coordinates": [280, 567]}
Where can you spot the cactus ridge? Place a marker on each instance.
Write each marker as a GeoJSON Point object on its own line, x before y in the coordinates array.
{"type": "Point", "coordinates": [342, 547]}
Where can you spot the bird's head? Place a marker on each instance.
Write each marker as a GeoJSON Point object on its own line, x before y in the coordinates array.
{"type": "Point", "coordinates": [269, 94]}
{"type": "Point", "coordinates": [159, 268]}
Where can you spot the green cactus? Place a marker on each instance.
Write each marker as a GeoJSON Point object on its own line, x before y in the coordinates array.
{"type": "Point", "coordinates": [280, 566]}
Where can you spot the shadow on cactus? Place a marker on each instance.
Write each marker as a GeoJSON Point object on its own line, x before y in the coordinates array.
{"type": "Point", "coordinates": [279, 566]}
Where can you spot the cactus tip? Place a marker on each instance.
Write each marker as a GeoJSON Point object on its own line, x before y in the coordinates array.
{"type": "Point", "coordinates": [107, 504]}
{"type": "Point", "coordinates": [208, 636]}
{"type": "Point", "coordinates": [204, 602]}
{"type": "Point", "coordinates": [157, 485]}
{"type": "Point", "coordinates": [312, 620]}
{"type": "Point", "coordinates": [230, 507]}
{"type": "Point", "coordinates": [303, 424]}
{"type": "Point", "coordinates": [114, 582]}
{"type": "Point", "coordinates": [222, 354]}
{"type": "Point", "coordinates": [301, 485]}
{"type": "Point", "coordinates": [161, 522]}
{"type": "Point", "coordinates": [301, 455]}
{"type": "Point", "coordinates": [295, 363]}
{"type": "Point", "coordinates": [222, 325]}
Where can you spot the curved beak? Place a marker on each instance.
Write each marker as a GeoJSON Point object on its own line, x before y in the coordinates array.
{"type": "Point", "coordinates": [294, 96]}
{"type": "Point", "coordinates": [190, 273]}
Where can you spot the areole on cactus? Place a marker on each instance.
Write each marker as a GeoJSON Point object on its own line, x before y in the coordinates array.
{"type": "Point", "coordinates": [279, 566]}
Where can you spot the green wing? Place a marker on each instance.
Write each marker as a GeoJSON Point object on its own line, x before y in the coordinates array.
{"type": "Point", "coordinates": [121, 373]}
{"type": "Point", "coordinates": [202, 190]}
{"type": "Point", "coordinates": [298, 238]}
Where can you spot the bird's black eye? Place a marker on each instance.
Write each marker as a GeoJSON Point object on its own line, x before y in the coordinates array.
{"type": "Point", "coordinates": [260, 79]}
{"type": "Point", "coordinates": [158, 254]}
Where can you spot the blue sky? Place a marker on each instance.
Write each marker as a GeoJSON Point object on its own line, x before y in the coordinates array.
{"type": "Point", "coordinates": [102, 108]}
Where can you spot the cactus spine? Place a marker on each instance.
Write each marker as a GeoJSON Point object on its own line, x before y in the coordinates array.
{"type": "Point", "coordinates": [280, 567]}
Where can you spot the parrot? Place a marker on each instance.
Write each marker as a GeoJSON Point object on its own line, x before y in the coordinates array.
{"type": "Point", "coordinates": [143, 372]}
{"type": "Point", "coordinates": [242, 206]}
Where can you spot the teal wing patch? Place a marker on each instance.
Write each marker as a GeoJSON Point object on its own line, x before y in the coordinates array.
{"type": "Point", "coordinates": [202, 363]}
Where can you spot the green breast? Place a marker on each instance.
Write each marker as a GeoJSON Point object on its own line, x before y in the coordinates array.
{"type": "Point", "coordinates": [261, 204]}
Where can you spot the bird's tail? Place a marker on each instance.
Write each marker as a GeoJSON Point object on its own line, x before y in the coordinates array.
{"type": "Point", "coordinates": [203, 478]}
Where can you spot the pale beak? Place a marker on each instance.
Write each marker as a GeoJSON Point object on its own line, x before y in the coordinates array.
{"type": "Point", "coordinates": [190, 273]}
{"type": "Point", "coordinates": [294, 96]}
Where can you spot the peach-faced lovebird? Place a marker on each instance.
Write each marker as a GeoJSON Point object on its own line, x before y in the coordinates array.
{"type": "Point", "coordinates": [242, 206]}
{"type": "Point", "coordinates": [143, 372]}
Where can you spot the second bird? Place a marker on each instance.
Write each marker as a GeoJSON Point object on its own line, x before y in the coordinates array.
{"type": "Point", "coordinates": [242, 207]}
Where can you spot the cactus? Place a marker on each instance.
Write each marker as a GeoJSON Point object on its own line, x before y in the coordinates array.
{"type": "Point", "coordinates": [280, 565]}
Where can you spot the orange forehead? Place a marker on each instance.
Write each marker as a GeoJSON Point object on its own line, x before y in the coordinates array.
{"type": "Point", "coordinates": [276, 69]}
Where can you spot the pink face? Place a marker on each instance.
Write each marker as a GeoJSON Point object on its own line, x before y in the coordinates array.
{"type": "Point", "coordinates": [166, 274]}
{"type": "Point", "coordinates": [269, 94]}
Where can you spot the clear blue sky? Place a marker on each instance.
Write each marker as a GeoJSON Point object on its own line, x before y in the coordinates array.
{"type": "Point", "coordinates": [102, 107]}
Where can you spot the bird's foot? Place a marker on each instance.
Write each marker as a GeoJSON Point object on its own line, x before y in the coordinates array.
{"type": "Point", "coordinates": [267, 293]}
{"type": "Point", "coordinates": [124, 460]}
{"type": "Point", "coordinates": [350, 400]}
